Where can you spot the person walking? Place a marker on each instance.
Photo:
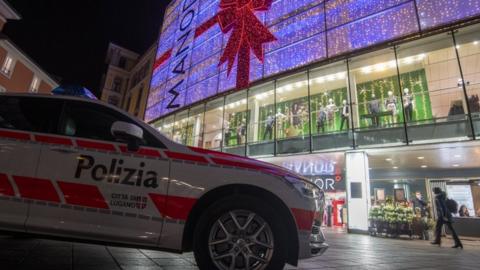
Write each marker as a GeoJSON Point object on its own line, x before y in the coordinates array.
{"type": "Point", "coordinates": [444, 217]}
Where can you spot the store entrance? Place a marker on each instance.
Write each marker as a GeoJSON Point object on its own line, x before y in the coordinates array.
{"type": "Point", "coordinates": [401, 183]}
{"type": "Point", "coordinates": [327, 171]}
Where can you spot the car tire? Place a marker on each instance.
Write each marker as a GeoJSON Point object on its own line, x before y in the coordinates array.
{"type": "Point", "coordinates": [218, 221]}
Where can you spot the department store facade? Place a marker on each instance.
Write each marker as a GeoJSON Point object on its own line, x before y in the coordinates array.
{"type": "Point", "coordinates": [348, 82]}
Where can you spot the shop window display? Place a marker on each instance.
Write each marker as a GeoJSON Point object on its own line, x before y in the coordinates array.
{"type": "Point", "coordinates": [213, 136]}
{"type": "Point", "coordinates": [330, 107]}
{"type": "Point", "coordinates": [195, 126]}
{"type": "Point", "coordinates": [378, 113]}
{"type": "Point", "coordinates": [468, 40]}
{"type": "Point", "coordinates": [293, 131]}
{"type": "Point", "coordinates": [434, 102]}
{"type": "Point", "coordinates": [261, 120]}
{"type": "Point", "coordinates": [235, 123]}
{"type": "Point", "coordinates": [180, 127]}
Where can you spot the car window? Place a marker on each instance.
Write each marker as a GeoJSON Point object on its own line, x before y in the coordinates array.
{"type": "Point", "coordinates": [93, 121]}
{"type": "Point", "coordinates": [29, 113]}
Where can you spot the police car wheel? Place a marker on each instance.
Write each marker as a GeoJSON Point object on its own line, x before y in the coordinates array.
{"type": "Point", "coordinates": [240, 232]}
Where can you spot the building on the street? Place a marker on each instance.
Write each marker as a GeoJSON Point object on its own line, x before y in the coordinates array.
{"type": "Point", "coordinates": [375, 101]}
{"type": "Point", "coordinates": [140, 77]}
{"type": "Point", "coordinates": [127, 80]}
{"type": "Point", "coordinates": [18, 72]}
{"type": "Point", "coordinates": [115, 82]}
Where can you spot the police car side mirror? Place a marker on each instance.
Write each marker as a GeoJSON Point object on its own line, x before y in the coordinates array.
{"type": "Point", "coordinates": [128, 133]}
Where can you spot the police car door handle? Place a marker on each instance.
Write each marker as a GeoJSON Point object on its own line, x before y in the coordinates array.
{"type": "Point", "coordinates": [63, 150]}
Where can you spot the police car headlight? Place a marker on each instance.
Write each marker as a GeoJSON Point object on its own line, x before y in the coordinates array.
{"type": "Point", "coordinates": [305, 187]}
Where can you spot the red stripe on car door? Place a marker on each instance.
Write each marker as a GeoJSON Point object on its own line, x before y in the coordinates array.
{"type": "Point", "coordinates": [15, 135]}
{"type": "Point", "coordinates": [5, 186]}
{"type": "Point", "coordinates": [53, 140]}
{"type": "Point", "coordinates": [142, 152]}
{"type": "Point", "coordinates": [83, 195]}
{"type": "Point", "coordinates": [96, 145]}
{"type": "Point", "coordinates": [173, 207]}
{"type": "Point", "coordinates": [187, 157]}
{"type": "Point", "coordinates": [304, 218]}
{"type": "Point", "coordinates": [36, 189]}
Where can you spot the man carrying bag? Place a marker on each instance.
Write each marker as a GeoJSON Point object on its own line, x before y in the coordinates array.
{"type": "Point", "coordinates": [444, 217]}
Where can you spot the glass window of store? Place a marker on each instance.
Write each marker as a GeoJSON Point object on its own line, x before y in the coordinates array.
{"type": "Point", "coordinates": [292, 111]}
{"type": "Point", "coordinates": [166, 127]}
{"type": "Point", "coordinates": [158, 125]}
{"type": "Point", "coordinates": [468, 47]}
{"type": "Point", "coordinates": [235, 123]}
{"type": "Point", "coordinates": [213, 136]}
{"type": "Point", "coordinates": [195, 126]}
{"type": "Point", "coordinates": [377, 108]}
{"type": "Point", "coordinates": [431, 84]}
{"type": "Point", "coordinates": [330, 107]}
{"type": "Point", "coordinates": [467, 195]}
{"type": "Point", "coordinates": [180, 127]}
{"type": "Point", "coordinates": [261, 120]}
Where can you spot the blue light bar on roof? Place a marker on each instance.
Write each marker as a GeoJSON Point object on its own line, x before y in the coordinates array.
{"type": "Point", "coordinates": [75, 91]}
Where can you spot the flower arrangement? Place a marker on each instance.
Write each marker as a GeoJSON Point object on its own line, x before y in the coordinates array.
{"type": "Point", "coordinates": [392, 219]}
{"type": "Point", "coordinates": [391, 214]}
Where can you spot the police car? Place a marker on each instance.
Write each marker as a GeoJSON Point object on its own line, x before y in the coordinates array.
{"type": "Point", "coordinates": [76, 168]}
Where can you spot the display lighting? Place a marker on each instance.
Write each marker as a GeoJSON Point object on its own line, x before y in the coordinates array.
{"type": "Point", "coordinates": [475, 42]}
{"type": "Point", "coordinates": [299, 84]}
{"type": "Point", "coordinates": [380, 67]}
{"type": "Point", "coordinates": [392, 64]}
{"type": "Point", "coordinates": [408, 60]}
{"type": "Point", "coordinates": [319, 80]}
{"type": "Point", "coordinates": [456, 165]}
{"type": "Point", "coordinates": [367, 70]}
{"type": "Point", "coordinates": [237, 104]}
{"type": "Point", "coordinates": [424, 166]}
{"type": "Point", "coordinates": [330, 78]}
{"type": "Point", "coordinates": [421, 158]}
{"type": "Point", "coordinates": [388, 159]}
{"type": "Point", "coordinates": [263, 95]}
{"type": "Point", "coordinates": [395, 167]}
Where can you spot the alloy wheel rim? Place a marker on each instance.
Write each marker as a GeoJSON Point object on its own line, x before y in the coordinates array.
{"type": "Point", "coordinates": [241, 239]}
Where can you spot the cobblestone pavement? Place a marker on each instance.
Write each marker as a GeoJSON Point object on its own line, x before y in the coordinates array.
{"type": "Point", "coordinates": [347, 251]}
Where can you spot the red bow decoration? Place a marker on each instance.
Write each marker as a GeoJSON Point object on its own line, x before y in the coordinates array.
{"type": "Point", "coordinates": [248, 34]}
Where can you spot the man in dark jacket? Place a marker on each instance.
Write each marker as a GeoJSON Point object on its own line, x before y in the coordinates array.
{"type": "Point", "coordinates": [443, 217]}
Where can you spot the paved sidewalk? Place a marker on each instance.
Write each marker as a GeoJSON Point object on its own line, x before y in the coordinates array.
{"type": "Point", "coordinates": [347, 251]}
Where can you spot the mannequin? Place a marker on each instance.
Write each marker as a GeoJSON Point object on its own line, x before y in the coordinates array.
{"type": "Point", "coordinates": [374, 109]}
{"type": "Point", "coordinates": [321, 119]}
{"type": "Point", "coordinates": [296, 110]}
{"type": "Point", "coordinates": [345, 114]}
{"type": "Point", "coordinates": [408, 104]}
{"type": "Point", "coordinates": [241, 132]}
{"type": "Point", "coordinates": [280, 120]}
{"type": "Point", "coordinates": [177, 137]}
{"type": "Point", "coordinates": [226, 128]}
{"type": "Point", "coordinates": [331, 109]}
{"type": "Point", "coordinates": [302, 116]}
{"type": "Point", "coordinates": [391, 105]}
{"type": "Point", "coordinates": [269, 126]}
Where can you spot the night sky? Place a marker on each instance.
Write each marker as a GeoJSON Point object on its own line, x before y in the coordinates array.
{"type": "Point", "coordinates": [69, 39]}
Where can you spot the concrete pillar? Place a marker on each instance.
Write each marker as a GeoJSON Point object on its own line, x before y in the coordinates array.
{"type": "Point", "coordinates": [358, 191]}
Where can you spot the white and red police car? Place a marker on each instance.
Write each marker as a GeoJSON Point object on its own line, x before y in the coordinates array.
{"type": "Point", "coordinates": [76, 168]}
